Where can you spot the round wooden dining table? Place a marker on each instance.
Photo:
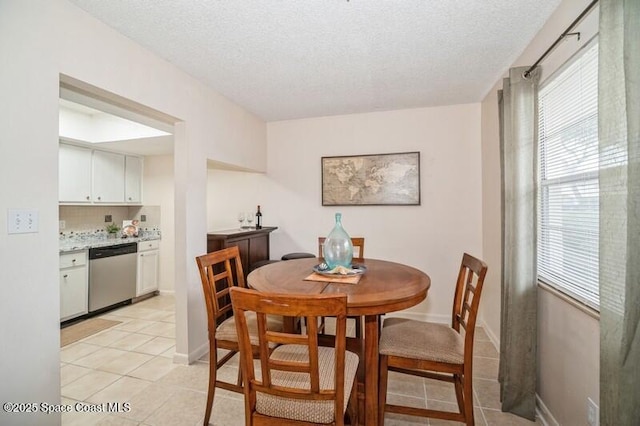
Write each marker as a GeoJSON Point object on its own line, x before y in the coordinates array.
{"type": "Point", "coordinates": [384, 287]}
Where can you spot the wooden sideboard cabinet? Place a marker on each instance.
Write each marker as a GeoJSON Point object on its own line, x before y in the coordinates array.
{"type": "Point", "coordinates": [253, 244]}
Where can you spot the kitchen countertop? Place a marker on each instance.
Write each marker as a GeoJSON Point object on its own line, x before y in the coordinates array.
{"type": "Point", "coordinates": [88, 242]}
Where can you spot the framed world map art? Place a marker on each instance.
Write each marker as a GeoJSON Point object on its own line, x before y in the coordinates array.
{"type": "Point", "coordinates": [371, 180]}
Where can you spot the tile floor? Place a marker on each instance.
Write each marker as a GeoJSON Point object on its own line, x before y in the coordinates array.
{"type": "Point", "coordinates": [132, 362]}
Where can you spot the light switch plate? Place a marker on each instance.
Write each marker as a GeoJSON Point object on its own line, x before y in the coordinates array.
{"type": "Point", "coordinates": [22, 221]}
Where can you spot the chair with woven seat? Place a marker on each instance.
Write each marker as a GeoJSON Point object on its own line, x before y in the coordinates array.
{"type": "Point", "coordinates": [220, 271]}
{"type": "Point", "coordinates": [436, 351]}
{"type": "Point", "coordinates": [300, 382]}
{"type": "Point", "coordinates": [358, 256]}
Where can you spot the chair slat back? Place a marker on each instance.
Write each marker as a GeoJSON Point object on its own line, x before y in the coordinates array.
{"type": "Point", "coordinates": [309, 307]}
{"type": "Point", "coordinates": [467, 296]}
{"type": "Point", "coordinates": [358, 243]}
{"type": "Point", "coordinates": [218, 275]}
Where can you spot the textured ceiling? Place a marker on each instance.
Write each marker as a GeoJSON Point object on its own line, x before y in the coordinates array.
{"type": "Point", "coordinates": [304, 58]}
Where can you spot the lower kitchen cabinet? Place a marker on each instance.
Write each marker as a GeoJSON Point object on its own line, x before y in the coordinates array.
{"type": "Point", "coordinates": [148, 266]}
{"type": "Point", "coordinates": [74, 299]}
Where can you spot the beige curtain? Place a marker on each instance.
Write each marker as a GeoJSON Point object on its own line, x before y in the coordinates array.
{"type": "Point", "coordinates": [619, 134]}
{"type": "Point", "coordinates": [518, 331]}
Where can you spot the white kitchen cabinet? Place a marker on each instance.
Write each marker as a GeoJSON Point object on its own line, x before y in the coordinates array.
{"type": "Point", "coordinates": [108, 177]}
{"type": "Point", "coordinates": [74, 172]}
{"type": "Point", "coordinates": [133, 180]}
{"type": "Point", "coordinates": [148, 267]}
{"type": "Point", "coordinates": [90, 176]}
{"type": "Point", "coordinates": [74, 300]}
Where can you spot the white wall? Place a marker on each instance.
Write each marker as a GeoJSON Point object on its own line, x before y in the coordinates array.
{"type": "Point", "coordinates": [158, 191]}
{"type": "Point", "coordinates": [431, 237]}
{"type": "Point", "coordinates": [568, 338]}
{"type": "Point", "coordinates": [230, 192]}
{"type": "Point", "coordinates": [38, 42]}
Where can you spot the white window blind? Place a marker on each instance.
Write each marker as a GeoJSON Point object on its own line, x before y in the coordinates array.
{"type": "Point", "coordinates": [568, 190]}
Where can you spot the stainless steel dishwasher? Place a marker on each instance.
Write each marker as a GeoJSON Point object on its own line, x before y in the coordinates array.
{"type": "Point", "coordinates": [112, 275]}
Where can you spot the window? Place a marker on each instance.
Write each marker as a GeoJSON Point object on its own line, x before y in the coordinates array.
{"type": "Point", "coordinates": [568, 190]}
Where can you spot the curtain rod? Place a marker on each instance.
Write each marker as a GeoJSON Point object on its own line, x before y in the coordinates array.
{"type": "Point", "coordinates": [562, 36]}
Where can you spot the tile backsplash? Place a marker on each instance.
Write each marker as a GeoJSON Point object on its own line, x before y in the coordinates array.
{"type": "Point", "coordinates": [91, 218]}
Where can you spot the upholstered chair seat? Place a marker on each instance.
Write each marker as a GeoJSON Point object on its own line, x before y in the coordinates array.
{"type": "Point", "coordinates": [422, 340]}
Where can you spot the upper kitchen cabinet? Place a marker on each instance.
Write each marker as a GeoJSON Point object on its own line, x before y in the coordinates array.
{"type": "Point", "coordinates": [74, 173]}
{"type": "Point", "coordinates": [133, 180]}
{"type": "Point", "coordinates": [90, 176]}
{"type": "Point", "coordinates": [108, 177]}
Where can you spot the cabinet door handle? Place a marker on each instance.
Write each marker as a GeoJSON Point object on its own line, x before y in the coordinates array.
{"type": "Point", "coordinates": [141, 254]}
{"type": "Point", "coordinates": [88, 198]}
{"type": "Point", "coordinates": [73, 260]}
{"type": "Point", "coordinates": [65, 276]}
{"type": "Point", "coordinates": [99, 198]}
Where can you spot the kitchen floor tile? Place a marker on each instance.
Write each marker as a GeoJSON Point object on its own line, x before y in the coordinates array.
{"type": "Point", "coordinates": [440, 391]}
{"type": "Point", "coordinates": [105, 338]}
{"type": "Point", "coordinates": [488, 393]}
{"type": "Point", "coordinates": [76, 351]}
{"type": "Point", "coordinates": [113, 420]}
{"type": "Point", "coordinates": [165, 329]}
{"type": "Point", "coordinates": [71, 372]}
{"type": "Point", "coordinates": [133, 325]}
{"type": "Point", "coordinates": [169, 352]}
{"type": "Point", "coordinates": [226, 411]}
{"type": "Point", "coordinates": [485, 368]}
{"type": "Point", "coordinates": [394, 419]}
{"type": "Point", "coordinates": [453, 407]}
{"type": "Point", "coordinates": [185, 407]}
{"type": "Point", "coordinates": [169, 317]}
{"type": "Point", "coordinates": [404, 384]}
{"type": "Point", "coordinates": [498, 418]}
{"type": "Point", "coordinates": [153, 369]}
{"type": "Point", "coordinates": [156, 346]}
{"type": "Point", "coordinates": [79, 418]}
{"type": "Point", "coordinates": [146, 402]}
{"type": "Point", "coordinates": [131, 341]}
{"type": "Point", "coordinates": [119, 391]}
{"type": "Point", "coordinates": [485, 349]}
{"type": "Point", "coordinates": [87, 385]}
{"type": "Point", "coordinates": [134, 311]}
{"type": "Point", "coordinates": [100, 357]}
{"type": "Point", "coordinates": [125, 363]}
{"type": "Point", "coordinates": [194, 377]}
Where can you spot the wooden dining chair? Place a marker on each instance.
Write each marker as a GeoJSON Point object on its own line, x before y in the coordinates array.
{"type": "Point", "coordinates": [358, 244]}
{"type": "Point", "coordinates": [219, 272]}
{"type": "Point", "coordinates": [300, 382]}
{"type": "Point", "coordinates": [436, 351]}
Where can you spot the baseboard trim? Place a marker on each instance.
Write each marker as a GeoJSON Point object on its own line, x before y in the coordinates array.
{"type": "Point", "coordinates": [167, 292]}
{"type": "Point", "coordinates": [492, 336]}
{"type": "Point", "coordinates": [543, 413]}
{"type": "Point", "coordinates": [179, 358]}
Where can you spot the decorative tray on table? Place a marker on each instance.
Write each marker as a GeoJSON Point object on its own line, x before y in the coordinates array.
{"type": "Point", "coordinates": [323, 269]}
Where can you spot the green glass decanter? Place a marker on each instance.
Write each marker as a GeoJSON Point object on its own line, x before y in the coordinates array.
{"type": "Point", "coordinates": [338, 248]}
